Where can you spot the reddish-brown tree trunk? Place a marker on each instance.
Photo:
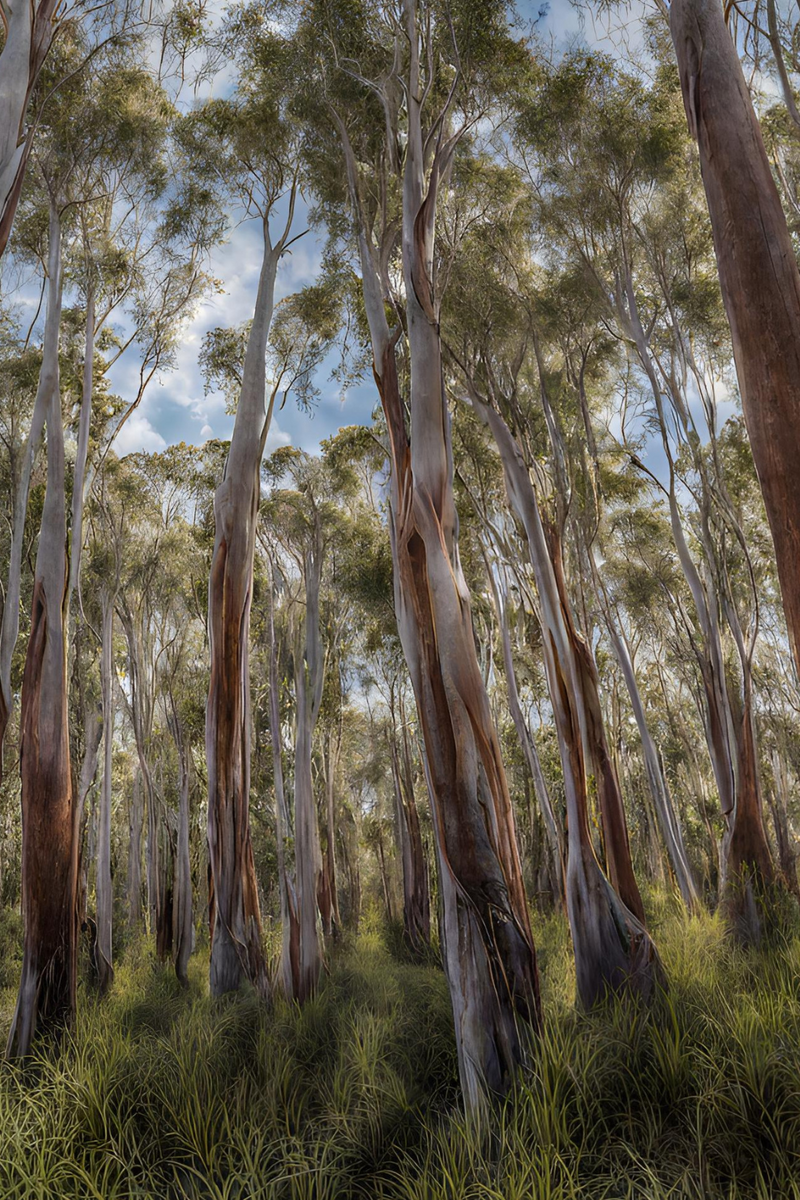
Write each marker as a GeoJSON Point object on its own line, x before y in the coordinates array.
{"type": "Point", "coordinates": [758, 270]}
{"type": "Point", "coordinates": [49, 828]}
{"type": "Point", "coordinates": [236, 951]}
{"type": "Point", "coordinates": [612, 812]}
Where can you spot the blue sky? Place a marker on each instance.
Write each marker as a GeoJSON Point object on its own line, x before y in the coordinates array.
{"type": "Point", "coordinates": [175, 407]}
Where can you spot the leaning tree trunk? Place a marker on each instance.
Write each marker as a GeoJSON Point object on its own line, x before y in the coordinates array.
{"type": "Point", "coordinates": [487, 945]}
{"type": "Point", "coordinates": [612, 948]}
{"type": "Point", "coordinates": [309, 679]}
{"type": "Point", "coordinates": [236, 950]}
{"type": "Point", "coordinates": [758, 270]}
{"type": "Point", "coordinates": [29, 32]}
{"type": "Point", "coordinates": [555, 834]}
{"type": "Point", "coordinates": [590, 715]}
{"type": "Point", "coordinates": [49, 834]}
{"type": "Point", "coordinates": [662, 801]}
{"type": "Point", "coordinates": [104, 916]}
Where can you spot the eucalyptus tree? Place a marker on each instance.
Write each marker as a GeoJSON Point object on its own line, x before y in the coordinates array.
{"type": "Point", "coordinates": [500, 359]}
{"type": "Point", "coordinates": [401, 87]}
{"type": "Point", "coordinates": [244, 146]}
{"type": "Point", "coordinates": [303, 521]}
{"type": "Point", "coordinates": [638, 239]}
{"type": "Point", "coordinates": [758, 270]}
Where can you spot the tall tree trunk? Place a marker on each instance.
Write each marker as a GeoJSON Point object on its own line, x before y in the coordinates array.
{"type": "Point", "coordinates": [134, 884]}
{"type": "Point", "coordinates": [29, 32]}
{"type": "Point", "coordinates": [309, 679]}
{"type": "Point", "coordinates": [49, 831]}
{"type": "Point", "coordinates": [330, 765]}
{"type": "Point", "coordinates": [612, 948]}
{"type": "Point", "coordinates": [778, 802]}
{"type": "Point", "coordinates": [555, 834]}
{"type": "Point", "coordinates": [662, 801]}
{"type": "Point", "coordinates": [82, 454]}
{"type": "Point", "coordinates": [104, 913]}
{"type": "Point", "coordinates": [487, 945]}
{"type": "Point", "coordinates": [48, 380]}
{"type": "Point", "coordinates": [290, 927]}
{"type": "Point", "coordinates": [590, 715]}
{"type": "Point", "coordinates": [182, 924]}
{"type": "Point", "coordinates": [416, 900]}
{"type": "Point", "coordinates": [758, 270]}
{"type": "Point", "coordinates": [236, 951]}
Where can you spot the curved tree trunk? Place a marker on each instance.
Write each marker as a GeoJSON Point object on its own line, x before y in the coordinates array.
{"type": "Point", "coordinates": [104, 914]}
{"type": "Point", "coordinates": [555, 834]}
{"type": "Point", "coordinates": [487, 945]}
{"type": "Point", "coordinates": [662, 801]}
{"type": "Point", "coordinates": [49, 833]}
{"type": "Point", "coordinates": [612, 948]}
{"type": "Point", "coordinates": [236, 951]}
{"type": "Point", "coordinates": [758, 270]}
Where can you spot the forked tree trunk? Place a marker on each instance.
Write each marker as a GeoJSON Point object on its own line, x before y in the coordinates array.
{"type": "Point", "coordinates": [309, 679]}
{"type": "Point", "coordinates": [49, 829]}
{"type": "Point", "coordinates": [613, 950]}
{"type": "Point", "coordinates": [236, 950]}
{"type": "Point", "coordinates": [104, 915]}
{"type": "Point", "coordinates": [487, 945]}
{"type": "Point", "coordinates": [758, 270]}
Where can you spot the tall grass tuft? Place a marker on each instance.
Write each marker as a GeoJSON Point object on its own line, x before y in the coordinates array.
{"type": "Point", "coordinates": [161, 1093]}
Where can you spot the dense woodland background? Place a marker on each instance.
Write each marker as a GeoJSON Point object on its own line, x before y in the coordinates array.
{"type": "Point", "coordinates": [418, 816]}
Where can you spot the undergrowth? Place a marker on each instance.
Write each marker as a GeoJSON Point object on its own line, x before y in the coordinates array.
{"type": "Point", "coordinates": [163, 1094]}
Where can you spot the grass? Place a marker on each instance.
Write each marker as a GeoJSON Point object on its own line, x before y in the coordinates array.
{"type": "Point", "coordinates": [165, 1094]}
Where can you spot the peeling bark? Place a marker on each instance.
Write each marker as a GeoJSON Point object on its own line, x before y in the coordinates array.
{"type": "Point", "coordinates": [487, 946]}
{"type": "Point", "coordinates": [46, 998]}
{"type": "Point", "coordinates": [613, 950]}
{"type": "Point", "coordinates": [236, 951]}
{"type": "Point", "coordinates": [29, 32]}
{"type": "Point", "coordinates": [758, 270]}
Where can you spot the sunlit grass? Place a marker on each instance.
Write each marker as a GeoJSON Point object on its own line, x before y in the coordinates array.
{"type": "Point", "coordinates": [163, 1093]}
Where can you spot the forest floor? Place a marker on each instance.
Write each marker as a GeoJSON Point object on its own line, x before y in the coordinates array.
{"type": "Point", "coordinates": [161, 1094]}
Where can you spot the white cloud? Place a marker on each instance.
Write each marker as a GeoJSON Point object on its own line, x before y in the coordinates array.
{"type": "Point", "coordinates": [206, 432]}
{"type": "Point", "coordinates": [138, 434]}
